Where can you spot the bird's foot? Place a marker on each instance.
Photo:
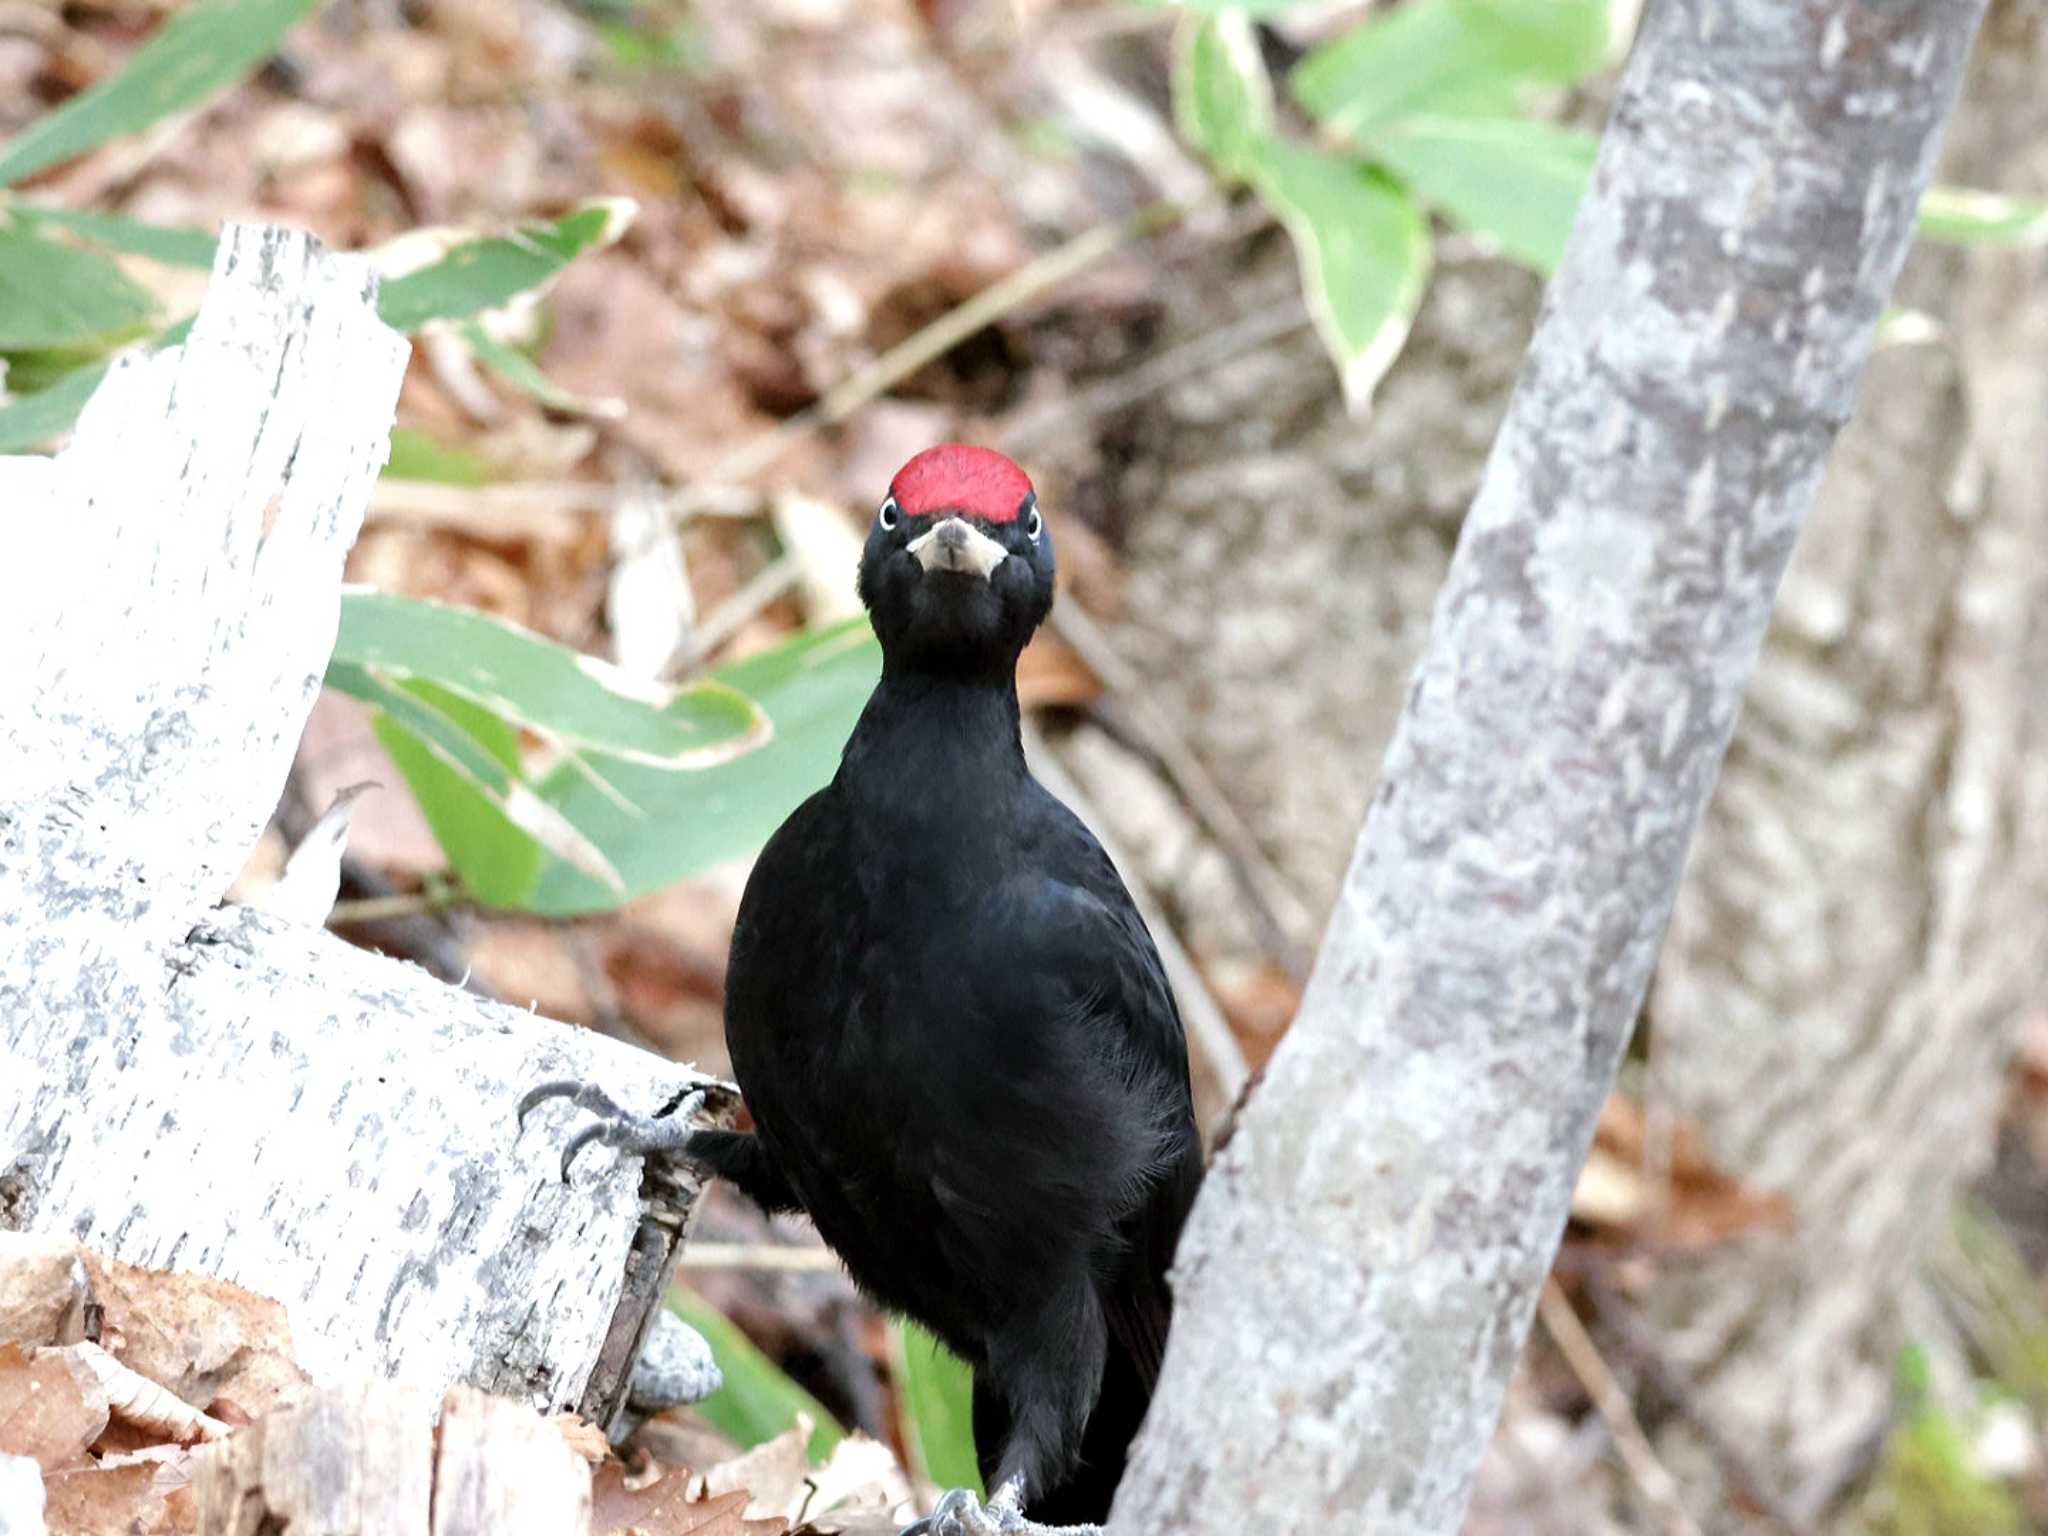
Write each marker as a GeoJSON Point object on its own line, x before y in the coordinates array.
{"type": "Point", "coordinates": [666, 1132]}
{"type": "Point", "coordinates": [960, 1513]}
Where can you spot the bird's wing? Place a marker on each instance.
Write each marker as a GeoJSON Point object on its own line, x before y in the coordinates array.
{"type": "Point", "coordinates": [1137, 1303]}
{"type": "Point", "coordinates": [1070, 1063]}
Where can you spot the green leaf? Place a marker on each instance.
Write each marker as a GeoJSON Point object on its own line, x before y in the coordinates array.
{"type": "Point", "coordinates": [1365, 255]}
{"type": "Point", "coordinates": [1965, 216]}
{"type": "Point", "coordinates": [416, 456]}
{"type": "Point", "coordinates": [938, 1406]}
{"type": "Point", "coordinates": [482, 274]}
{"type": "Point", "coordinates": [474, 276]}
{"type": "Point", "coordinates": [524, 375]}
{"type": "Point", "coordinates": [578, 702]}
{"type": "Point", "coordinates": [1222, 96]}
{"type": "Point", "coordinates": [173, 247]}
{"type": "Point", "coordinates": [54, 294]}
{"type": "Point", "coordinates": [812, 687]}
{"type": "Point", "coordinates": [497, 861]}
{"type": "Point", "coordinates": [35, 419]}
{"type": "Point", "coordinates": [1513, 181]}
{"type": "Point", "coordinates": [472, 772]}
{"type": "Point", "coordinates": [201, 50]}
{"type": "Point", "coordinates": [1466, 56]}
{"type": "Point", "coordinates": [757, 1401]}
{"type": "Point", "coordinates": [40, 368]}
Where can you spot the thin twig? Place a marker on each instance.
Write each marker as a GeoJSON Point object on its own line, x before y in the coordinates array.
{"type": "Point", "coordinates": [378, 909]}
{"type": "Point", "coordinates": [941, 336]}
{"type": "Point", "coordinates": [1197, 355]}
{"type": "Point", "coordinates": [766, 1256]}
{"type": "Point", "coordinates": [1673, 1387]}
{"type": "Point", "coordinates": [1649, 1474]}
{"type": "Point", "coordinates": [730, 616]}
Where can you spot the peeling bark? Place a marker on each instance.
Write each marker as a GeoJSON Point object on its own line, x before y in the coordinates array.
{"type": "Point", "coordinates": [220, 1089]}
{"type": "Point", "coordinates": [1393, 1195]}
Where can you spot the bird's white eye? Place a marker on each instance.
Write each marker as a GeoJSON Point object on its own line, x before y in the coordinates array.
{"type": "Point", "coordinates": [1034, 525]}
{"type": "Point", "coordinates": [887, 516]}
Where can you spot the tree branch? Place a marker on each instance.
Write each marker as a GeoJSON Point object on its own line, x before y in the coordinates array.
{"type": "Point", "coordinates": [1394, 1194]}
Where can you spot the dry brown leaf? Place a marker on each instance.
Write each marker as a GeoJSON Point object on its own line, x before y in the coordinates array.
{"type": "Point", "coordinates": [1609, 1192]}
{"type": "Point", "coordinates": [582, 1436]}
{"type": "Point", "coordinates": [666, 1508]}
{"type": "Point", "coordinates": [1259, 1000]}
{"type": "Point", "coordinates": [51, 1407]}
{"type": "Point", "coordinates": [772, 1474]}
{"type": "Point", "coordinates": [196, 1336]}
{"type": "Point", "coordinates": [134, 1398]}
{"type": "Point", "coordinates": [678, 1437]}
{"type": "Point", "coordinates": [826, 544]}
{"type": "Point", "coordinates": [861, 1479]}
{"type": "Point", "coordinates": [130, 1500]}
{"type": "Point", "coordinates": [1050, 674]}
{"type": "Point", "coordinates": [44, 1293]}
{"type": "Point", "coordinates": [2030, 1054]}
{"type": "Point", "coordinates": [1701, 1206]}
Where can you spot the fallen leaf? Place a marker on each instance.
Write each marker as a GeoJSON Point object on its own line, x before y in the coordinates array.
{"type": "Point", "coordinates": [1259, 1000]}
{"type": "Point", "coordinates": [1049, 673]}
{"type": "Point", "coordinates": [649, 606]}
{"type": "Point", "coordinates": [51, 1407]}
{"type": "Point", "coordinates": [861, 1479]}
{"type": "Point", "coordinates": [667, 1508]}
{"type": "Point", "coordinates": [1609, 1192]}
{"type": "Point", "coordinates": [582, 1436]}
{"type": "Point", "coordinates": [99, 1501]}
{"type": "Point", "coordinates": [826, 545]}
{"type": "Point", "coordinates": [1701, 1205]}
{"type": "Point", "coordinates": [678, 1438]}
{"type": "Point", "coordinates": [196, 1336]}
{"type": "Point", "coordinates": [44, 1293]}
{"type": "Point", "coordinates": [135, 1399]}
{"type": "Point", "coordinates": [772, 1474]}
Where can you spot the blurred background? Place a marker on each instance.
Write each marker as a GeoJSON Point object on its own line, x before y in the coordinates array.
{"type": "Point", "coordinates": [1244, 289]}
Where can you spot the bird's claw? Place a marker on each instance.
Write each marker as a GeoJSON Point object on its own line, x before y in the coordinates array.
{"type": "Point", "coordinates": [666, 1131]}
{"type": "Point", "coordinates": [960, 1513]}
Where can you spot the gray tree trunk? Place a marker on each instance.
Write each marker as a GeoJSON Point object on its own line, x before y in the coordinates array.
{"type": "Point", "coordinates": [225, 1090]}
{"type": "Point", "coordinates": [1393, 1194]}
{"type": "Point", "coordinates": [1867, 919]}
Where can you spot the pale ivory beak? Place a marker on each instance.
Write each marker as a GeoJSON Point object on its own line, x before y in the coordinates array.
{"type": "Point", "coordinates": [956, 545]}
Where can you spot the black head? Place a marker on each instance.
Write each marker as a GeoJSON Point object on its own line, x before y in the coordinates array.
{"type": "Point", "coordinates": [957, 572]}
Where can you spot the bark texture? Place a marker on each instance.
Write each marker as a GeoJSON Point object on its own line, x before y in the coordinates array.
{"type": "Point", "coordinates": [221, 1089]}
{"type": "Point", "coordinates": [1394, 1193]}
{"type": "Point", "coordinates": [1867, 920]}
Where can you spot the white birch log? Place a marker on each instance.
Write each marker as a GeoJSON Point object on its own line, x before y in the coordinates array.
{"type": "Point", "coordinates": [227, 1090]}
{"type": "Point", "coordinates": [21, 1497]}
{"type": "Point", "coordinates": [1358, 1275]}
